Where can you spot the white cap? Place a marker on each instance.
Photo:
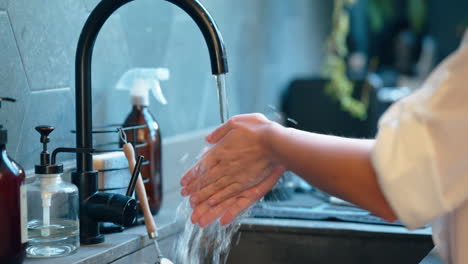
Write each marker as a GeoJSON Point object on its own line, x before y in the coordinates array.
{"type": "Point", "coordinates": [140, 80]}
{"type": "Point", "coordinates": [139, 93]}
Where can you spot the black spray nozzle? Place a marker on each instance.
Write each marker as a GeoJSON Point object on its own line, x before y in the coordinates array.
{"type": "Point", "coordinates": [45, 156]}
{"type": "Point", "coordinates": [69, 150]}
{"type": "Point", "coordinates": [48, 162]}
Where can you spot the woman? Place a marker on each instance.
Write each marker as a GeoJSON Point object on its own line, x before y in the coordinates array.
{"type": "Point", "coordinates": [416, 170]}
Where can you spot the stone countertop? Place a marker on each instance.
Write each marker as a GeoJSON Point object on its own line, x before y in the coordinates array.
{"type": "Point", "coordinates": [118, 245]}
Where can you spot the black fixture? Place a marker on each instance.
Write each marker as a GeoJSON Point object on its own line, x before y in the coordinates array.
{"type": "Point", "coordinates": [85, 177]}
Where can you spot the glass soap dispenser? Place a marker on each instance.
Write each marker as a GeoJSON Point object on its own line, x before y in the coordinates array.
{"type": "Point", "coordinates": [53, 224]}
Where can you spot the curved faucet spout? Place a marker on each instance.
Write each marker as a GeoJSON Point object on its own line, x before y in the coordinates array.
{"type": "Point", "coordinates": [84, 54]}
{"type": "Point", "coordinates": [84, 177]}
{"type": "Point", "coordinates": [209, 30]}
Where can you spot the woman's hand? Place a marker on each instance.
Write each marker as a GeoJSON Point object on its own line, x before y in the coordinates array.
{"type": "Point", "coordinates": [204, 214]}
{"type": "Point", "coordinates": [235, 166]}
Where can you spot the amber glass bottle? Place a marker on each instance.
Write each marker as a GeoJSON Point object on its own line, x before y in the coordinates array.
{"type": "Point", "coordinates": [150, 137]}
{"type": "Point", "coordinates": [13, 210]}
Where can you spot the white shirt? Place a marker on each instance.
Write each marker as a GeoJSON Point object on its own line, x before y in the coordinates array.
{"type": "Point", "coordinates": [421, 156]}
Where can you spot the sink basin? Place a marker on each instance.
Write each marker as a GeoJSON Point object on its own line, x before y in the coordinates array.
{"type": "Point", "coordinates": [302, 230]}
{"type": "Point", "coordinates": [304, 241]}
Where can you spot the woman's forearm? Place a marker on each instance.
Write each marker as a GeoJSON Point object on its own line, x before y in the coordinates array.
{"type": "Point", "coordinates": [339, 166]}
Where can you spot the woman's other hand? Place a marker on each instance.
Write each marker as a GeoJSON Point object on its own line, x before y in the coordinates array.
{"type": "Point", "coordinates": [239, 160]}
{"type": "Point", "coordinates": [204, 214]}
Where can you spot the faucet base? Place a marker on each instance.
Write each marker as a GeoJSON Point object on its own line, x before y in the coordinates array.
{"type": "Point", "coordinates": [87, 183]}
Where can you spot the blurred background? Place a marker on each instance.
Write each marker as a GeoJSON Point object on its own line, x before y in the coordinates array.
{"type": "Point", "coordinates": [278, 52]}
{"type": "Point", "coordinates": [377, 52]}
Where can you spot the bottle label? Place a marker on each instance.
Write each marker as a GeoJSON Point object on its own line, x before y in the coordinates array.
{"type": "Point", "coordinates": [24, 213]}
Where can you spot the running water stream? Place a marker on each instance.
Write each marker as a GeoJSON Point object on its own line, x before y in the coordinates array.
{"type": "Point", "coordinates": [209, 245]}
{"type": "Point", "coordinates": [222, 97]}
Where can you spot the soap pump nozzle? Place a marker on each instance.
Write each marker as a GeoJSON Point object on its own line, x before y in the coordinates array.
{"type": "Point", "coordinates": [45, 155]}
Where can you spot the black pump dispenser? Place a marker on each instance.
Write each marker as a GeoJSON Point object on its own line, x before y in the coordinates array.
{"type": "Point", "coordinates": [46, 167]}
{"type": "Point", "coordinates": [3, 131]}
{"type": "Point", "coordinates": [48, 162]}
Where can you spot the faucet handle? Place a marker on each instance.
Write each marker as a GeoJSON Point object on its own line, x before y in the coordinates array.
{"type": "Point", "coordinates": [111, 207]}
{"type": "Point", "coordinates": [116, 208]}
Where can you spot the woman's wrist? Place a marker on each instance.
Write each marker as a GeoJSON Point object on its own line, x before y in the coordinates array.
{"type": "Point", "coordinates": [271, 138]}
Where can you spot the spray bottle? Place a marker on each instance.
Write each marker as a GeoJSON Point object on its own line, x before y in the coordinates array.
{"type": "Point", "coordinates": [147, 138]}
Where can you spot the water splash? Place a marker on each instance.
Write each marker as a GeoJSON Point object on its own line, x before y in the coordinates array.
{"type": "Point", "coordinates": [209, 245]}
{"type": "Point", "coordinates": [293, 121]}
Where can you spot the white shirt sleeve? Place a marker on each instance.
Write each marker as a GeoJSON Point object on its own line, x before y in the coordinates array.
{"type": "Point", "coordinates": [421, 150]}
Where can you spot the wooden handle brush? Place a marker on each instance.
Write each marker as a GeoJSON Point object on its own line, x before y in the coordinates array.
{"type": "Point", "coordinates": [144, 205]}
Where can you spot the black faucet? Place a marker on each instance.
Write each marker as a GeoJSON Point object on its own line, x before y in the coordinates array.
{"type": "Point", "coordinates": [85, 177]}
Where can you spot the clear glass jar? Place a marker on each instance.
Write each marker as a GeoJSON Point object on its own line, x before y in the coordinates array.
{"type": "Point", "coordinates": [53, 225]}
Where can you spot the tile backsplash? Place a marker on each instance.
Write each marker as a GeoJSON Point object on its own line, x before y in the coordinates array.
{"type": "Point", "coordinates": [268, 42]}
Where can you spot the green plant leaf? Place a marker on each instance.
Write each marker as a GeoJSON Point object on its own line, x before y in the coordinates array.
{"type": "Point", "coordinates": [340, 87]}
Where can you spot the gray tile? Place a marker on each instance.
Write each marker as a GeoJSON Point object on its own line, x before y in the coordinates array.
{"type": "Point", "coordinates": [243, 41]}
{"type": "Point", "coordinates": [50, 107]}
{"type": "Point", "coordinates": [188, 60]}
{"type": "Point", "coordinates": [13, 83]}
{"type": "Point", "coordinates": [47, 35]}
{"type": "Point", "coordinates": [3, 4]}
{"type": "Point", "coordinates": [90, 4]}
{"type": "Point", "coordinates": [148, 26]}
{"type": "Point", "coordinates": [110, 61]}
